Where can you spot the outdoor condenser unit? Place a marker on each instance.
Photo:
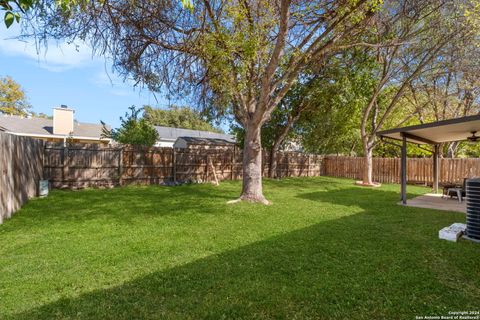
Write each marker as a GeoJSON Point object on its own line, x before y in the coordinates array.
{"type": "Point", "coordinates": [473, 209]}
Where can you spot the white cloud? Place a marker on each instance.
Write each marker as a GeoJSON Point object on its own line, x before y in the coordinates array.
{"type": "Point", "coordinates": [58, 57]}
{"type": "Point", "coordinates": [55, 56]}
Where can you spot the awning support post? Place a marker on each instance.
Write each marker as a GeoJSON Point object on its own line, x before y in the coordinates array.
{"type": "Point", "coordinates": [435, 168]}
{"type": "Point", "coordinates": [403, 171]}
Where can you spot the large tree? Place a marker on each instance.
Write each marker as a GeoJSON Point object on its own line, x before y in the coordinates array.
{"type": "Point", "coordinates": [321, 112]}
{"type": "Point", "coordinates": [279, 132]}
{"type": "Point", "coordinates": [244, 55]}
{"type": "Point", "coordinates": [419, 38]}
{"type": "Point", "coordinates": [300, 98]}
{"type": "Point", "coordinates": [331, 126]}
{"type": "Point", "coordinates": [13, 100]}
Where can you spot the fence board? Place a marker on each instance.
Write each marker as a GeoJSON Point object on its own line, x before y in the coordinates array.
{"type": "Point", "coordinates": [21, 168]}
{"type": "Point", "coordinates": [419, 170]}
{"type": "Point", "coordinates": [81, 165]}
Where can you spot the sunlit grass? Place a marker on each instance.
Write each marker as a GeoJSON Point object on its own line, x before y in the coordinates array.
{"type": "Point", "coordinates": [324, 249]}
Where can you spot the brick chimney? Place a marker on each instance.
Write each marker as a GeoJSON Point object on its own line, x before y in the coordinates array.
{"type": "Point", "coordinates": [63, 120]}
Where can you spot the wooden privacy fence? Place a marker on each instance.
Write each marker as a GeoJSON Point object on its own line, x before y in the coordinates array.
{"type": "Point", "coordinates": [81, 165]}
{"type": "Point", "coordinates": [96, 165]}
{"type": "Point", "coordinates": [419, 170]}
{"type": "Point", "coordinates": [21, 167]}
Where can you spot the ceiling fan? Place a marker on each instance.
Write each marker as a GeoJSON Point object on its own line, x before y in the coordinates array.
{"type": "Point", "coordinates": [473, 137]}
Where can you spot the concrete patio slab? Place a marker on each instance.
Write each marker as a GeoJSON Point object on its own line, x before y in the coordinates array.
{"type": "Point", "coordinates": [435, 201]}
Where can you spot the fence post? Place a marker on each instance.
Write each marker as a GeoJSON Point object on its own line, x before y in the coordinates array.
{"type": "Point", "coordinates": [64, 164]}
{"type": "Point", "coordinates": [322, 169]}
{"type": "Point", "coordinates": [308, 166]}
{"type": "Point", "coordinates": [174, 165]}
{"type": "Point", "coordinates": [120, 166]}
{"type": "Point", "coordinates": [404, 170]}
{"type": "Point", "coordinates": [207, 159]}
{"type": "Point", "coordinates": [232, 164]}
{"type": "Point", "coordinates": [435, 168]}
{"type": "Point", "coordinates": [287, 174]}
{"type": "Point", "coordinates": [44, 145]}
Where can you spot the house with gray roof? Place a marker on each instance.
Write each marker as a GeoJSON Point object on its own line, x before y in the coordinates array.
{"type": "Point", "coordinates": [170, 137]}
{"type": "Point", "coordinates": [57, 129]}
{"type": "Point", "coordinates": [202, 143]}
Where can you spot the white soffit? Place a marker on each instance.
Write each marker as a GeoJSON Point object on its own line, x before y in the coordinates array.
{"type": "Point", "coordinates": [457, 129]}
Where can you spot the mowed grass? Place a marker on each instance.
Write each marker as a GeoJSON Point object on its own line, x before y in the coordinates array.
{"type": "Point", "coordinates": [325, 249]}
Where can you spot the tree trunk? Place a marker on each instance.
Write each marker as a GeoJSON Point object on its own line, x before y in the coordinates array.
{"type": "Point", "coordinates": [252, 165]}
{"type": "Point", "coordinates": [272, 171]}
{"type": "Point", "coordinates": [452, 149]}
{"type": "Point", "coordinates": [368, 168]}
{"type": "Point", "coordinates": [283, 133]}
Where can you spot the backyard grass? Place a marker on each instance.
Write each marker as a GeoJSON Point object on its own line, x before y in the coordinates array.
{"type": "Point", "coordinates": [325, 249]}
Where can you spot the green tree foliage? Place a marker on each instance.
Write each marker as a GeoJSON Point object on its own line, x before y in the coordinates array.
{"type": "Point", "coordinates": [134, 130]}
{"type": "Point", "coordinates": [331, 127]}
{"type": "Point", "coordinates": [13, 9]}
{"type": "Point", "coordinates": [331, 102]}
{"type": "Point", "coordinates": [472, 13]}
{"type": "Point", "coordinates": [279, 131]}
{"type": "Point", "coordinates": [13, 100]}
{"type": "Point", "coordinates": [178, 117]}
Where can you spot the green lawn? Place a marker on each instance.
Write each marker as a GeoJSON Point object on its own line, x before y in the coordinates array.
{"type": "Point", "coordinates": [325, 249]}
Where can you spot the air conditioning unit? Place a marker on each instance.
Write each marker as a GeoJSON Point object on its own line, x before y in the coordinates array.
{"type": "Point", "coordinates": [473, 210]}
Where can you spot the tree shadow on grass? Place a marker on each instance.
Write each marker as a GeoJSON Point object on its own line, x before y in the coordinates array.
{"type": "Point", "coordinates": [333, 270]}
{"type": "Point", "coordinates": [307, 182]}
{"type": "Point", "coordinates": [380, 205]}
{"type": "Point", "coordinates": [365, 198]}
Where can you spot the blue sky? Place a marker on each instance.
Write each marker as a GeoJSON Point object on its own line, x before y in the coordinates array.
{"type": "Point", "coordinates": [68, 74]}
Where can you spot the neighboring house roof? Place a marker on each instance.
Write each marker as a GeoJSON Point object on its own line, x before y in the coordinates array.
{"type": "Point", "coordinates": [44, 127]}
{"type": "Point", "coordinates": [172, 134]}
{"type": "Point", "coordinates": [209, 141]}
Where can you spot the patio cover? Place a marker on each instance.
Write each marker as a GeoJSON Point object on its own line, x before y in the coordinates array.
{"type": "Point", "coordinates": [457, 129]}
{"type": "Point", "coordinates": [433, 133]}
